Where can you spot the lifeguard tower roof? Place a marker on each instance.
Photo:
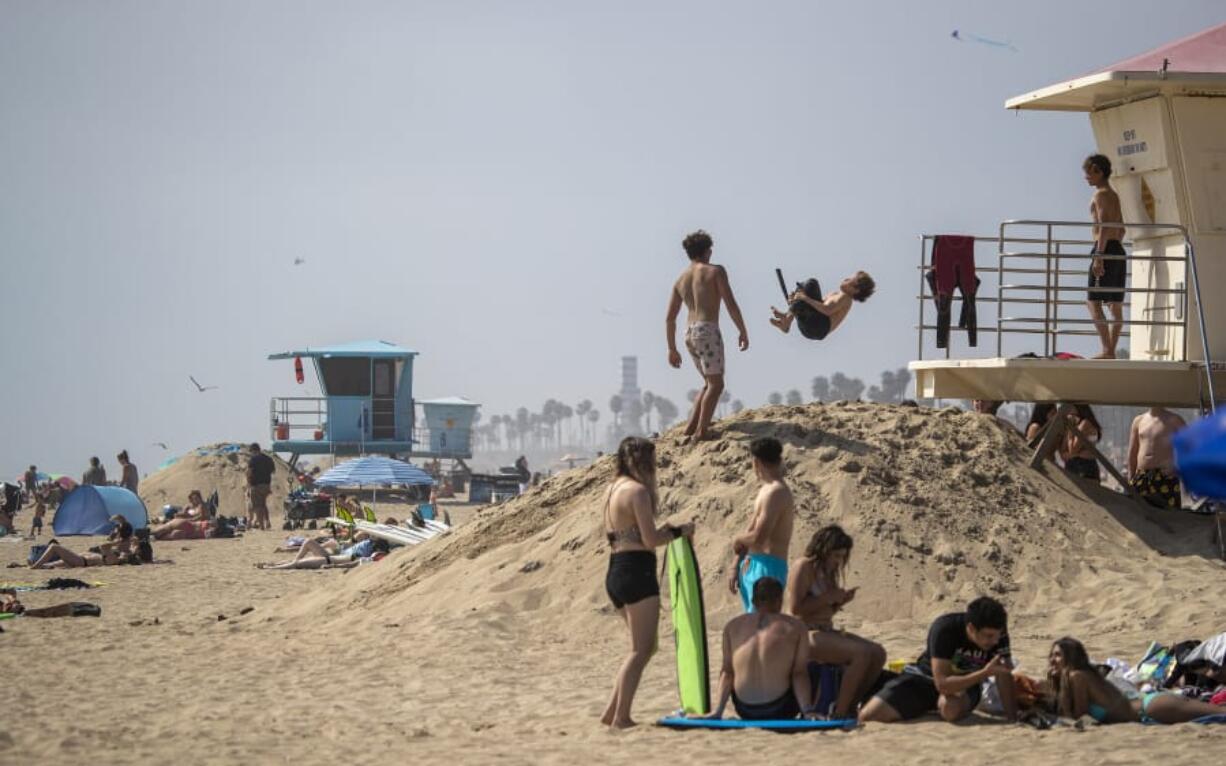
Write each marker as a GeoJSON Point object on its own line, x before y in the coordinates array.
{"type": "Point", "coordinates": [1193, 65]}
{"type": "Point", "coordinates": [374, 349]}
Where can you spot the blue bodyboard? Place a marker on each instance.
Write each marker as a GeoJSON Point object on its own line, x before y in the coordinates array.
{"type": "Point", "coordinates": [793, 724]}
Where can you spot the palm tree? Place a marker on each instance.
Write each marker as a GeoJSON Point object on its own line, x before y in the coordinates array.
{"type": "Point", "coordinates": [565, 412]}
{"type": "Point", "coordinates": [775, 398]}
{"type": "Point", "coordinates": [821, 388]}
{"type": "Point", "coordinates": [615, 406]}
{"type": "Point", "coordinates": [667, 410]}
{"type": "Point", "coordinates": [582, 409]}
{"type": "Point", "coordinates": [593, 415]}
{"type": "Point", "coordinates": [794, 398]}
{"type": "Point", "coordinates": [737, 406]}
{"type": "Point", "coordinates": [522, 422]}
{"type": "Point", "coordinates": [724, 398]}
{"type": "Point", "coordinates": [649, 402]}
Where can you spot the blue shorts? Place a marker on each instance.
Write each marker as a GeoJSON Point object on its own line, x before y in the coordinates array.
{"type": "Point", "coordinates": [753, 568]}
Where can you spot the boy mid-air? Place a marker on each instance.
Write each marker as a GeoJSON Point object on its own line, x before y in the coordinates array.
{"type": "Point", "coordinates": [821, 316]}
{"type": "Point", "coordinates": [702, 287]}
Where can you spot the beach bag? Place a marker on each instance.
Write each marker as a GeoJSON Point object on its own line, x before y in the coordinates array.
{"type": "Point", "coordinates": [1156, 667]}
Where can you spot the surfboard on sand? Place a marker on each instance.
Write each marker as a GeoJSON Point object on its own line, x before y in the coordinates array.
{"type": "Point", "coordinates": [689, 627]}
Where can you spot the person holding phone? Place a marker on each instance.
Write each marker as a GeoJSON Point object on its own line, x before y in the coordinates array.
{"type": "Point", "coordinates": [815, 593]}
{"type": "Point", "coordinates": [964, 650]}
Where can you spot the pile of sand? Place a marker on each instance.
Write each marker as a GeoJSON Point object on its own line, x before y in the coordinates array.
{"type": "Point", "coordinates": [942, 504]}
{"type": "Point", "coordinates": [214, 467]}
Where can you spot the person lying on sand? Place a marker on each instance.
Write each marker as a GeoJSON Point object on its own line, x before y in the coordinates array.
{"type": "Point", "coordinates": [182, 529]}
{"type": "Point", "coordinates": [59, 557]}
{"type": "Point", "coordinates": [765, 666]}
{"type": "Point", "coordinates": [9, 604]}
{"type": "Point", "coordinates": [316, 556]}
{"type": "Point", "coordinates": [821, 316]}
{"type": "Point", "coordinates": [964, 650]}
{"type": "Point", "coordinates": [1078, 689]}
{"type": "Point", "coordinates": [815, 594]}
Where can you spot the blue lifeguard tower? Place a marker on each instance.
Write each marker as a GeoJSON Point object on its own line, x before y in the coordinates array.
{"type": "Point", "coordinates": [367, 407]}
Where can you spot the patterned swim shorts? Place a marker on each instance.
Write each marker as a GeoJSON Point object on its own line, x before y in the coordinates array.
{"type": "Point", "coordinates": [706, 346]}
{"type": "Point", "coordinates": [1158, 488]}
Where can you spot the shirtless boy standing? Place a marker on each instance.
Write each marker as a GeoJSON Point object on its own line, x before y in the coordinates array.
{"type": "Point", "coordinates": [828, 313]}
{"type": "Point", "coordinates": [702, 288]}
{"type": "Point", "coordinates": [763, 550]}
{"type": "Point", "coordinates": [1151, 458]}
{"type": "Point", "coordinates": [1107, 275]}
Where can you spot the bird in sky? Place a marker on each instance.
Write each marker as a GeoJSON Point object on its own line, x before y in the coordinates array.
{"type": "Point", "coordinates": [199, 387]}
{"type": "Point", "coordinates": [160, 444]}
{"type": "Point", "coordinates": [963, 36]}
{"type": "Point", "coordinates": [299, 261]}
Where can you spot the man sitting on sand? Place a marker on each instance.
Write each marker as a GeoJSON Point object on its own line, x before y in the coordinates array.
{"type": "Point", "coordinates": [1151, 458]}
{"type": "Point", "coordinates": [819, 318]}
{"type": "Point", "coordinates": [763, 550]}
{"type": "Point", "coordinates": [765, 668]}
{"type": "Point", "coordinates": [703, 287]}
{"type": "Point", "coordinates": [964, 650]}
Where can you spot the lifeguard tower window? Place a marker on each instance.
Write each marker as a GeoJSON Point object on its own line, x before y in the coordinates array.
{"type": "Point", "coordinates": [346, 376]}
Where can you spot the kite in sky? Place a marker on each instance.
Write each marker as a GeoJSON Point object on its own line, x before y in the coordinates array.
{"type": "Point", "coordinates": [970, 37]}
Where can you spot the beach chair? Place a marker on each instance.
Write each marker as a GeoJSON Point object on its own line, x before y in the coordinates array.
{"type": "Point", "coordinates": [426, 510]}
{"type": "Point", "coordinates": [369, 515]}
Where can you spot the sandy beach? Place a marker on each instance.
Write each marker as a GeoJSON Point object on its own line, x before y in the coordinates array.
{"type": "Point", "coordinates": [496, 643]}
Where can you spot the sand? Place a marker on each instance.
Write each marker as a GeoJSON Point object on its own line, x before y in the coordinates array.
{"type": "Point", "coordinates": [219, 470]}
{"type": "Point", "coordinates": [496, 643]}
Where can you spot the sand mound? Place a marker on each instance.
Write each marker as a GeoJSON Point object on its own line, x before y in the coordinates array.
{"type": "Point", "coordinates": [215, 467]}
{"type": "Point", "coordinates": [942, 504]}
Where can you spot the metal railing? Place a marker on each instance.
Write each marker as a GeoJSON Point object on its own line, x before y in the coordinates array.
{"type": "Point", "coordinates": [302, 417]}
{"type": "Point", "coordinates": [1032, 282]}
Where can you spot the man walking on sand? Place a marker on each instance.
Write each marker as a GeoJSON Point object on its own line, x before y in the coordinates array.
{"type": "Point", "coordinates": [702, 287]}
{"type": "Point", "coordinates": [260, 469]}
{"type": "Point", "coordinates": [765, 669]}
{"type": "Point", "coordinates": [763, 550]}
{"type": "Point", "coordinates": [1151, 458]}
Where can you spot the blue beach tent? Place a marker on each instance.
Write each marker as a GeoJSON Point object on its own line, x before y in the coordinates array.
{"type": "Point", "coordinates": [87, 510]}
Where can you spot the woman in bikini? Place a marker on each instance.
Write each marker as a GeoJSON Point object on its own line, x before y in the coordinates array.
{"type": "Point", "coordinates": [58, 557]}
{"type": "Point", "coordinates": [183, 529]}
{"type": "Point", "coordinates": [1079, 689]}
{"type": "Point", "coordinates": [629, 509]}
{"type": "Point", "coordinates": [815, 593]}
{"type": "Point", "coordinates": [1083, 429]}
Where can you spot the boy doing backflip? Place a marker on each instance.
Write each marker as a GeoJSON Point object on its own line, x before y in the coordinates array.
{"type": "Point", "coordinates": [820, 317]}
{"type": "Point", "coordinates": [703, 287]}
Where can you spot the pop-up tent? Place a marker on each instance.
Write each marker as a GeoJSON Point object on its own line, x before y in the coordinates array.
{"type": "Point", "coordinates": [87, 510]}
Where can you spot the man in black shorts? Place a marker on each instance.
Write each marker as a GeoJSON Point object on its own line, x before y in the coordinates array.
{"type": "Point", "coordinates": [964, 650]}
{"type": "Point", "coordinates": [1109, 275]}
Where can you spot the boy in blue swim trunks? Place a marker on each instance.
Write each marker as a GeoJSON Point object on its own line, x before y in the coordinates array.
{"type": "Point", "coordinates": [763, 550]}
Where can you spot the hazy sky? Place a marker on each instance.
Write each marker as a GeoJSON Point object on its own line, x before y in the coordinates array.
{"type": "Point", "coordinates": [502, 186]}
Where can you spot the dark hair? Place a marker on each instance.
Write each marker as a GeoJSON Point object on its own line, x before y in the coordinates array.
{"type": "Point", "coordinates": [636, 459]}
{"type": "Point", "coordinates": [1085, 413]}
{"type": "Point", "coordinates": [1075, 658]}
{"type": "Point", "coordinates": [122, 456]}
{"type": "Point", "coordinates": [94, 461]}
{"type": "Point", "coordinates": [255, 446]}
{"type": "Point", "coordinates": [123, 530]}
{"type": "Point", "coordinates": [767, 449]}
{"type": "Point", "coordinates": [1040, 413]}
{"type": "Point", "coordinates": [697, 244]}
{"type": "Point", "coordinates": [1098, 162]}
{"type": "Point", "coordinates": [987, 612]}
{"type": "Point", "coordinates": [826, 541]}
{"type": "Point", "coordinates": [144, 551]}
{"type": "Point", "coordinates": [381, 546]}
{"type": "Point", "coordinates": [864, 286]}
{"type": "Point", "coordinates": [767, 590]}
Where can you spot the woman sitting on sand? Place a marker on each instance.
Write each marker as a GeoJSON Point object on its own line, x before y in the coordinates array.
{"type": "Point", "coordinates": [196, 509]}
{"type": "Point", "coordinates": [815, 593]}
{"type": "Point", "coordinates": [58, 557]}
{"type": "Point", "coordinates": [1079, 690]}
{"type": "Point", "coordinates": [629, 522]}
{"type": "Point", "coordinates": [314, 555]}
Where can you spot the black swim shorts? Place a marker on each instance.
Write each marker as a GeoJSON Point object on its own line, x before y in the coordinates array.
{"type": "Point", "coordinates": [1109, 288]}
{"type": "Point", "coordinates": [631, 577]}
{"type": "Point", "coordinates": [913, 695]}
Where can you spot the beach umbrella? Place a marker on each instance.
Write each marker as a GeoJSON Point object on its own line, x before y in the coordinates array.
{"type": "Point", "coordinates": [1200, 456]}
{"type": "Point", "coordinates": [67, 482]}
{"type": "Point", "coordinates": [373, 471]}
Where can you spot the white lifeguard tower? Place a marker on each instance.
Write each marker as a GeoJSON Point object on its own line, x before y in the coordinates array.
{"type": "Point", "coordinates": [1161, 119]}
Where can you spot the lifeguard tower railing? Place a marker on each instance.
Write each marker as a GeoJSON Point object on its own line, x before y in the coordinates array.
{"type": "Point", "coordinates": [1038, 283]}
{"type": "Point", "coordinates": [304, 419]}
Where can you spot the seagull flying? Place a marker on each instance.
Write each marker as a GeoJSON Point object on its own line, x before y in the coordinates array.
{"type": "Point", "coordinates": [160, 444]}
{"type": "Point", "coordinates": [199, 387]}
{"type": "Point", "coordinates": [299, 261]}
{"type": "Point", "coordinates": [970, 37]}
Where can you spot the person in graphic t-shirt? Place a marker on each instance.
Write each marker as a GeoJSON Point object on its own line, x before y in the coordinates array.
{"type": "Point", "coordinates": [964, 650]}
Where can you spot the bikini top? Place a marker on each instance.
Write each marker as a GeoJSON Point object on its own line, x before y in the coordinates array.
{"type": "Point", "coordinates": [630, 534]}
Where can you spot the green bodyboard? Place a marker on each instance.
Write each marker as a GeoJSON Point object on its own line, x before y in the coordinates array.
{"type": "Point", "coordinates": [689, 627]}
